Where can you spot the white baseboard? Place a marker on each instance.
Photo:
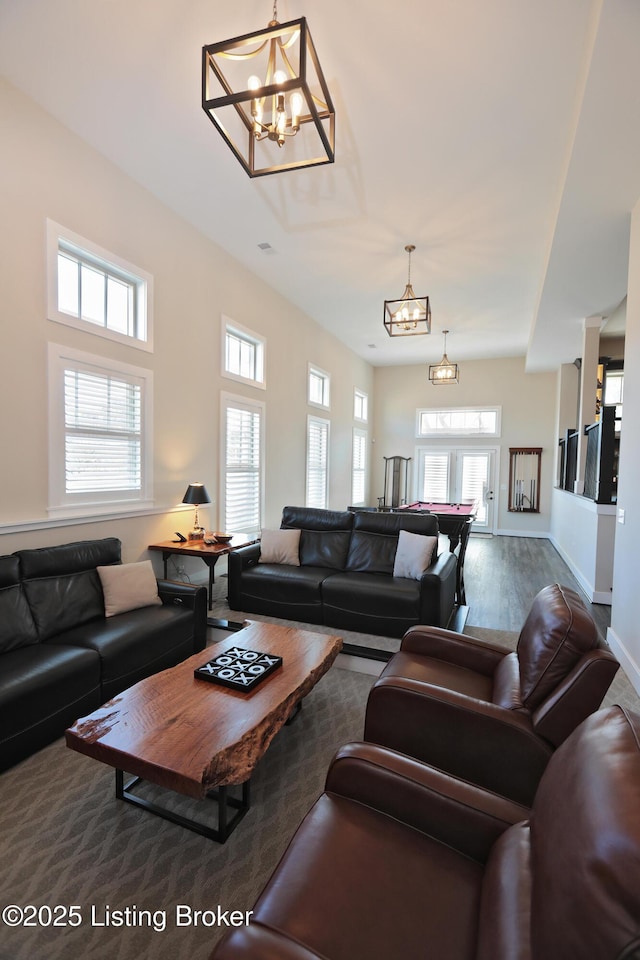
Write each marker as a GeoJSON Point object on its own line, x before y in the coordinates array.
{"type": "Point", "coordinates": [628, 664]}
{"type": "Point", "coordinates": [594, 596]}
{"type": "Point", "coordinates": [536, 534]}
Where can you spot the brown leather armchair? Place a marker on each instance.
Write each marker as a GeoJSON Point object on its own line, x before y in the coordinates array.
{"type": "Point", "coordinates": [398, 859]}
{"type": "Point", "coordinates": [488, 714]}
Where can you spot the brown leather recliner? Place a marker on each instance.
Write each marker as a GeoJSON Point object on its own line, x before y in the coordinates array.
{"type": "Point", "coordinates": [398, 859]}
{"type": "Point", "coordinates": [484, 712]}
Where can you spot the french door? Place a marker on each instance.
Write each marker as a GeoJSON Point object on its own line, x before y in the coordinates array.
{"type": "Point", "coordinates": [455, 474]}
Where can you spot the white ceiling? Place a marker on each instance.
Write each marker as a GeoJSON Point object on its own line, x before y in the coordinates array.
{"type": "Point", "coordinates": [501, 137]}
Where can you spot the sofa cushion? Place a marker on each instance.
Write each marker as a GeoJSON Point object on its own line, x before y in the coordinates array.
{"type": "Point", "coordinates": [40, 683]}
{"type": "Point", "coordinates": [128, 586]}
{"type": "Point", "coordinates": [134, 645]}
{"type": "Point", "coordinates": [325, 535]}
{"type": "Point", "coordinates": [374, 540]}
{"type": "Point", "coordinates": [556, 634]}
{"type": "Point", "coordinates": [375, 600]}
{"type": "Point", "coordinates": [61, 583]}
{"type": "Point", "coordinates": [414, 554]}
{"type": "Point", "coordinates": [372, 876]}
{"type": "Point", "coordinates": [280, 546]}
{"type": "Point", "coordinates": [17, 628]}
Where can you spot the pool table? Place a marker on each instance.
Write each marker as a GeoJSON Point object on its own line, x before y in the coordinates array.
{"type": "Point", "coordinates": [454, 520]}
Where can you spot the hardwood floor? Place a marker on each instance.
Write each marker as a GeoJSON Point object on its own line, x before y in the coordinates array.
{"type": "Point", "coordinates": [503, 574]}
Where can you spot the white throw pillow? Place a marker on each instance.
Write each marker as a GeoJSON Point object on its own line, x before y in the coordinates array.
{"type": "Point", "coordinates": [414, 554]}
{"type": "Point", "coordinates": [127, 586]}
{"type": "Point", "coordinates": [280, 546]}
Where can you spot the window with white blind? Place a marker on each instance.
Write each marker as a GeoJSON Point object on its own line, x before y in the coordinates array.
{"type": "Point", "coordinates": [97, 291]}
{"type": "Point", "coordinates": [242, 434]}
{"type": "Point", "coordinates": [434, 476]}
{"type": "Point", "coordinates": [317, 462]}
{"type": "Point", "coordinates": [359, 468]}
{"type": "Point", "coordinates": [319, 387]}
{"type": "Point", "coordinates": [99, 433]}
{"type": "Point", "coordinates": [243, 354]}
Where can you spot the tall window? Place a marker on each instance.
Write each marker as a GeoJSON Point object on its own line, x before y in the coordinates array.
{"type": "Point", "coordinates": [95, 290]}
{"type": "Point", "coordinates": [243, 464]}
{"type": "Point", "coordinates": [99, 432]}
{"type": "Point", "coordinates": [360, 406]}
{"type": "Point", "coordinates": [359, 468]}
{"type": "Point", "coordinates": [319, 387]}
{"type": "Point", "coordinates": [243, 354]}
{"type": "Point", "coordinates": [317, 462]}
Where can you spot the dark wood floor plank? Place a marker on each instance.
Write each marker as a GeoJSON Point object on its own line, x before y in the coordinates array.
{"type": "Point", "coordinates": [503, 574]}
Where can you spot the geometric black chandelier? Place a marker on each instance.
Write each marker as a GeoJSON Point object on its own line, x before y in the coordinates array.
{"type": "Point", "coordinates": [266, 94]}
{"type": "Point", "coordinates": [410, 315]}
{"type": "Point", "coordinates": [444, 372]}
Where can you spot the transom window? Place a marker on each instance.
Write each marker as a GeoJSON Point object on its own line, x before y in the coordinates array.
{"type": "Point", "coordinates": [319, 387]}
{"type": "Point", "coordinates": [459, 422]}
{"type": "Point", "coordinates": [360, 406]}
{"type": "Point", "coordinates": [243, 354]}
{"type": "Point", "coordinates": [96, 290]}
{"type": "Point", "coordinates": [99, 432]}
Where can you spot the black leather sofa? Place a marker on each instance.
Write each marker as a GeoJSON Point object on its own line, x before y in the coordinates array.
{"type": "Point", "coordinates": [60, 658]}
{"type": "Point", "coordinates": [345, 578]}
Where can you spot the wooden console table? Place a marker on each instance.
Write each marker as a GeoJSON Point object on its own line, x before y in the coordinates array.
{"type": "Point", "coordinates": [209, 553]}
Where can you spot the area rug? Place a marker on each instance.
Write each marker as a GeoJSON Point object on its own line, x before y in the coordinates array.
{"type": "Point", "coordinates": [136, 881]}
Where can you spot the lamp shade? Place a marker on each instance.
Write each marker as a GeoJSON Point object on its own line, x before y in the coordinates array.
{"type": "Point", "coordinates": [196, 494]}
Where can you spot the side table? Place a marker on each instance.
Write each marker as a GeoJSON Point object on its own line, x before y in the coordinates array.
{"type": "Point", "coordinates": [209, 553]}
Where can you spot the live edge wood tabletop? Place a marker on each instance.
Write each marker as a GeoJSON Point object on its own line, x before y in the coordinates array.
{"type": "Point", "coordinates": [188, 735]}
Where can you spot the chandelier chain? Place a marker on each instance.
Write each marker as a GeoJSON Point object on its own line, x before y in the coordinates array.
{"type": "Point", "coordinates": [275, 10]}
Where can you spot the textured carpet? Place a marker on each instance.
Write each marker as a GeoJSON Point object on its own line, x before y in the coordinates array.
{"type": "Point", "coordinates": [65, 840]}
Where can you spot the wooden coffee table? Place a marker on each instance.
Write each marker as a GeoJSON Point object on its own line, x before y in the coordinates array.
{"type": "Point", "coordinates": [198, 738]}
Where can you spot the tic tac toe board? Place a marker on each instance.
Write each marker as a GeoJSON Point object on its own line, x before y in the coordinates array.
{"type": "Point", "coordinates": [239, 669]}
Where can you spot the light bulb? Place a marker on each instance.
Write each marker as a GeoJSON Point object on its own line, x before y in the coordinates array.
{"type": "Point", "coordinates": [296, 109]}
{"type": "Point", "coordinates": [253, 83]}
{"type": "Point", "coordinates": [279, 76]}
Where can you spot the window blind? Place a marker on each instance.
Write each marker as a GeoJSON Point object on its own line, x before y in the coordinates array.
{"type": "Point", "coordinates": [435, 478]}
{"type": "Point", "coordinates": [358, 486]}
{"type": "Point", "coordinates": [317, 467]}
{"type": "Point", "coordinates": [242, 469]}
{"type": "Point", "coordinates": [103, 441]}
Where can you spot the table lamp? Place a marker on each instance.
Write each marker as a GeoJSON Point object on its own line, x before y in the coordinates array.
{"type": "Point", "coordinates": [196, 494]}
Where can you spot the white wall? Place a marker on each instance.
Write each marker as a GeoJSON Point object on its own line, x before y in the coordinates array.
{"type": "Point", "coordinates": [583, 533]}
{"type": "Point", "coordinates": [528, 402]}
{"type": "Point", "coordinates": [46, 171]}
{"type": "Point", "coordinates": [624, 635]}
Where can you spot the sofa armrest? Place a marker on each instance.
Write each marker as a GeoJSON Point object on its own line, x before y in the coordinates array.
{"type": "Point", "coordinates": [452, 647]}
{"type": "Point", "coordinates": [438, 590]}
{"type": "Point", "coordinates": [453, 811]}
{"type": "Point", "coordinates": [259, 942]}
{"type": "Point", "coordinates": [480, 741]}
{"type": "Point", "coordinates": [192, 597]}
{"type": "Point", "coordinates": [237, 561]}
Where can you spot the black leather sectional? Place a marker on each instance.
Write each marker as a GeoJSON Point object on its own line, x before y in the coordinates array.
{"type": "Point", "coordinates": [60, 658]}
{"type": "Point", "coordinates": [345, 578]}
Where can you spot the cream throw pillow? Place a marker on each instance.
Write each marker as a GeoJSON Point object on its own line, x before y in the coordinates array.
{"type": "Point", "coordinates": [414, 555]}
{"type": "Point", "coordinates": [127, 586]}
{"type": "Point", "coordinates": [280, 546]}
